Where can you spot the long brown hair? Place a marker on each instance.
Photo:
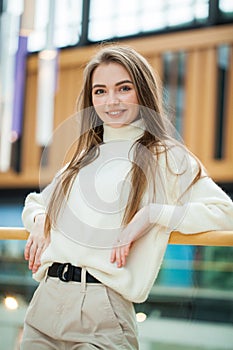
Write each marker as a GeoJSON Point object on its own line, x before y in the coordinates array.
{"type": "Point", "coordinates": [91, 134]}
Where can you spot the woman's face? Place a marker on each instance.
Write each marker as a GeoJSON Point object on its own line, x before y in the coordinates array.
{"type": "Point", "coordinates": [113, 95]}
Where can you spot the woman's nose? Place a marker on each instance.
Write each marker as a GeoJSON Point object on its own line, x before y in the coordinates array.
{"type": "Point", "coordinates": [112, 98]}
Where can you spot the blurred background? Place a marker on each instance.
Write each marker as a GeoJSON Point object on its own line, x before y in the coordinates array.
{"type": "Point", "coordinates": [44, 45]}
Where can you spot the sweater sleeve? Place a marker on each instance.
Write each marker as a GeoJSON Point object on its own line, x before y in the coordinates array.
{"type": "Point", "coordinates": [208, 208]}
{"type": "Point", "coordinates": [36, 203]}
{"type": "Point", "coordinates": [203, 207]}
{"type": "Point", "coordinates": [33, 206]}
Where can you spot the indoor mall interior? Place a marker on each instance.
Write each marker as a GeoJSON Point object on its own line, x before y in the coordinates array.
{"type": "Point", "coordinates": [44, 47]}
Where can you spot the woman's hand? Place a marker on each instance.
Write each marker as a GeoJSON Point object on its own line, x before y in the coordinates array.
{"type": "Point", "coordinates": [137, 227]}
{"type": "Point", "coordinates": [120, 253]}
{"type": "Point", "coordinates": [36, 243]}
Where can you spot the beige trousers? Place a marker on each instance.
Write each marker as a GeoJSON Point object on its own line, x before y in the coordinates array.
{"type": "Point", "coordinates": [73, 315]}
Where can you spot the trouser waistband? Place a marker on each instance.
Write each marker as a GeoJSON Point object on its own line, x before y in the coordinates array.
{"type": "Point", "coordinates": [67, 272]}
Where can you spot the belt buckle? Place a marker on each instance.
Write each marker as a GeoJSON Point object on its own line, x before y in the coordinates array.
{"type": "Point", "coordinates": [65, 272]}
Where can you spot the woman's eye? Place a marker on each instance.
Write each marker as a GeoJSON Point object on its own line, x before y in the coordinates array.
{"type": "Point", "coordinates": [99, 92]}
{"type": "Point", "coordinates": [125, 88]}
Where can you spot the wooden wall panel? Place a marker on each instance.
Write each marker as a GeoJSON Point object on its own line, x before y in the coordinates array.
{"type": "Point", "coordinates": [157, 64]}
{"type": "Point", "coordinates": [200, 103]}
{"type": "Point", "coordinates": [31, 152]}
{"type": "Point", "coordinates": [208, 86]}
{"type": "Point", "coordinates": [193, 100]}
{"type": "Point", "coordinates": [229, 112]}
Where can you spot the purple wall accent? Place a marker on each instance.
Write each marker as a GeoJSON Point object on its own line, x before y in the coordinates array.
{"type": "Point", "coordinates": [19, 91]}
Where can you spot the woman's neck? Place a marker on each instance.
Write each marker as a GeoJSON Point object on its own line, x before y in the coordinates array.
{"type": "Point", "coordinates": [131, 131]}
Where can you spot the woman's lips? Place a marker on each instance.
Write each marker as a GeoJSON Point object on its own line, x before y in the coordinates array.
{"type": "Point", "coordinates": [115, 114]}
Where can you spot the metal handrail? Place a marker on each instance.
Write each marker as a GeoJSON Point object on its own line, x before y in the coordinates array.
{"type": "Point", "coordinates": [209, 238]}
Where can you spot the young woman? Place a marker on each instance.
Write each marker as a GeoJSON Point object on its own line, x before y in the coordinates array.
{"type": "Point", "coordinates": [99, 231]}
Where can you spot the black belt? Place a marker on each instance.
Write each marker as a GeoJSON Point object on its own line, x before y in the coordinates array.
{"type": "Point", "coordinates": [67, 272]}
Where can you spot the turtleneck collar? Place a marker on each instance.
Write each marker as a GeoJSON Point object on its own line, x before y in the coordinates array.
{"type": "Point", "coordinates": [131, 131]}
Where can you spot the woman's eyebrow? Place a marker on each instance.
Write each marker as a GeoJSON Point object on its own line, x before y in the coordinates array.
{"type": "Point", "coordinates": [124, 82]}
{"type": "Point", "coordinates": [117, 84]}
{"type": "Point", "coordinates": [98, 85]}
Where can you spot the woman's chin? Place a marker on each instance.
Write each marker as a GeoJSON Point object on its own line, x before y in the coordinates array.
{"type": "Point", "coordinates": [116, 124]}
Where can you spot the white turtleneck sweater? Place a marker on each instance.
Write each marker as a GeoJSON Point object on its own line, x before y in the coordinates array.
{"type": "Point", "coordinates": [91, 218]}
